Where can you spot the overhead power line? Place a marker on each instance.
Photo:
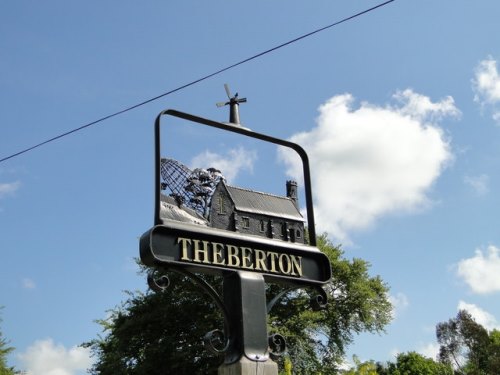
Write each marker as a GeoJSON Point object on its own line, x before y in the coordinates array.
{"type": "Point", "coordinates": [194, 82]}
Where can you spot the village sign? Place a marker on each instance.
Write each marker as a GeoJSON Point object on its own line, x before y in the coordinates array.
{"type": "Point", "coordinates": [204, 226]}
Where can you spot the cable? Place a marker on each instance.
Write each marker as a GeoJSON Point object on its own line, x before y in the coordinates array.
{"type": "Point", "coordinates": [194, 82]}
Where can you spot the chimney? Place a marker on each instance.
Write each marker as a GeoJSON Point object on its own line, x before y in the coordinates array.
{"type": "Point", "coordinates": [291, 192]}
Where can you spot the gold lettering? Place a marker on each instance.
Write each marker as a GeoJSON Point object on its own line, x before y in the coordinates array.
{"type": "Point", "coordinates": [184, 242]}
{"type": "Point", "coordinates": [260, 260]}
{"type": "Point", "coordinates": [217, 254]}
{"type": "Point", "coordinates": [198, 251]}
{"type": "Point", "coordinates": [296, 262]}
{"type": "Point", "coordinates": [246, 252]}
{"type": "Point", "coordinates": [239, 257]}
{"type": "Point", "coordinates": [273, 256]}
{"type": "Point", "coordinates": [284, 270]}
{"type": "Point", "coordinates": [232, 256]}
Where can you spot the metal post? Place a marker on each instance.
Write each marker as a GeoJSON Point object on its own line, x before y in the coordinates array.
{"type": "Point", "coordinates": [245, 301]}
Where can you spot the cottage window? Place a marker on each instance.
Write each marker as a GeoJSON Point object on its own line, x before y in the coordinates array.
{"type": "Point", "coordinates": [262, 226]}
{"type": "Point", "coordinates": [245, 222]}
{"type": "Point", "coordinates": [284, 230]}
{"type": "Point", "coordinates": [220, 204]}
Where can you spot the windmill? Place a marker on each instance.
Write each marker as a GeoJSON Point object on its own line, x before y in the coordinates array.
{"type": "Point", "coordinates": [234, 103]}
{"type": "Point", "coordinates": [192, 188]}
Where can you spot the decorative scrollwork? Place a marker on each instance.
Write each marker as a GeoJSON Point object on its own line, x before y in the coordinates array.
{"type": "Point", "coordinates": [215, 342]}
{"type": "Point", "coordinates": [277, 344]}
{"type": "Point", "coordinates": [320, 300]}
{"type": "Point", "coordinates": [158, 284]}
{"type": "Point", "coordinates": [277, 297]}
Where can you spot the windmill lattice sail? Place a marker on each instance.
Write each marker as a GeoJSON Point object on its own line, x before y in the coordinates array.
{"type": "Point", "coordinates": [189, 188]}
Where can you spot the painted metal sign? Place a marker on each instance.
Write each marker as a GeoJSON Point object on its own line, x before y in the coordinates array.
{"type": "Point", "coordinates": [214, 251]}
{"type": "Point", "coordinates": [204, 225]}
{"type": "Point", "coordinates": [184, 238]}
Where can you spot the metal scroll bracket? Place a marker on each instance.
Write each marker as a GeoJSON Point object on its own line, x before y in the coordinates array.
{"type": "Point", "coordinates": [244, 309]}
{"type": "Point", "coordinates": [216, 341]}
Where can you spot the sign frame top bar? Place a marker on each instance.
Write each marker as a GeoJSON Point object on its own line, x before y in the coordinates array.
{"type": "Point", "coordinates": [246, 132]}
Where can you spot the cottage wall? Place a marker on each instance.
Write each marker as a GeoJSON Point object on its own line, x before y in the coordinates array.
{"type": "Point", "coordinates": [224, 215]}
{"type": "Point", "coordinates": [222, 209]}
{"type": "Point", "coordinates": [270, 227]}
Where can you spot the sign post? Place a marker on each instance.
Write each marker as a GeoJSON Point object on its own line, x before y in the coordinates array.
{"type": "Point", "coordinates": [246, 262]}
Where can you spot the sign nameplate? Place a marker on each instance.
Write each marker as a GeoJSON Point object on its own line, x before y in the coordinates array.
{"type": "Point", "coordinates": [215, 251]}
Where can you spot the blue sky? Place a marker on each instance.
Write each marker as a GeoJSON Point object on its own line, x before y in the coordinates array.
{"type": "Point", "coordinates": [399, 110]}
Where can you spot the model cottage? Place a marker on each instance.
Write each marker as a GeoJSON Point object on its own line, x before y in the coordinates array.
{"type": "Point", "coordinates": [251, 212]}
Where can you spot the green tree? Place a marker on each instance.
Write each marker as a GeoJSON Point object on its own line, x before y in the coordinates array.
{"type": "Point", "coordinates": [468, 346]}
{"type": "Point", "coordinates": [160, 333]}
{"type": "Point", "coordinates": [362, 368]}
{"type": "Point", "coordinates": [494, 352]}
{"type": "Point", "coordinates": [357, 303]}
{"type": "Point", "coordinates": [5, 349]}
{"type": "Point", "coordinates": [287, 366]}
{"type": "Point", "coordinates": [410, 363]}
{"type": "Point", "coordinates": [413, 363]}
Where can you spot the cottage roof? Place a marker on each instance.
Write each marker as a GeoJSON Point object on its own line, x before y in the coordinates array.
{"type": "Point", "coordinates": [263, 203]}
{"type": "Point", "coordinates": [170, 210]}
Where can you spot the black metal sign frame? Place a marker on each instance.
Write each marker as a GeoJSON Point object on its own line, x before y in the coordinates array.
{"type": "Point", "coordinates": [245, 132]}
{"type": "Point", "coordinates": [195, 247]}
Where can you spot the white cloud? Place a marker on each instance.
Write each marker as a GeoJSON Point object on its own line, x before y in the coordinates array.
{"type": "Point", "coordinates": [486, 86]}
{"type": "Point", "coordinates": [481, 316]}
{"type": "Point", "coordinates": [8, 188]}
{"type": "Point", "coordinates": [430, 350]}
{"type": "Point", "coordinates": [46, 358]}
{"type": "Point", "coordinates": [230, 164]}
{"type": "Point", "coordinates": [374, 160]}
{"type": "Point", "coordinates": [420, 107]}
{"type": "Point", "coordinates": [28, 283]}
{"type": "Point", "coordinates": [480, 183]}
{"type": "Point", "coordinates": [481, 272]}
{"type": "Point", "coordinates": [399, 302]}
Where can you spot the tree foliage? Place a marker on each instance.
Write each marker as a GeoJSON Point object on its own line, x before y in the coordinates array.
{"type": "Point", "coordinates": [413, 363]}
{"type": "Point", "coordinates": [161, 333]}
{"type": "Point", "coordinates": [362, 368]}
{"type": "Point", "coordinates": [158, 333]}
{"type": "Point", "coordinates": [468, 346]}
{"type": "Point", "coordinates": [5, 349]}
{"type": "Point", "coordinates": [357, 303]}
{"type": "Point", "coordinates": [410, 363]}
